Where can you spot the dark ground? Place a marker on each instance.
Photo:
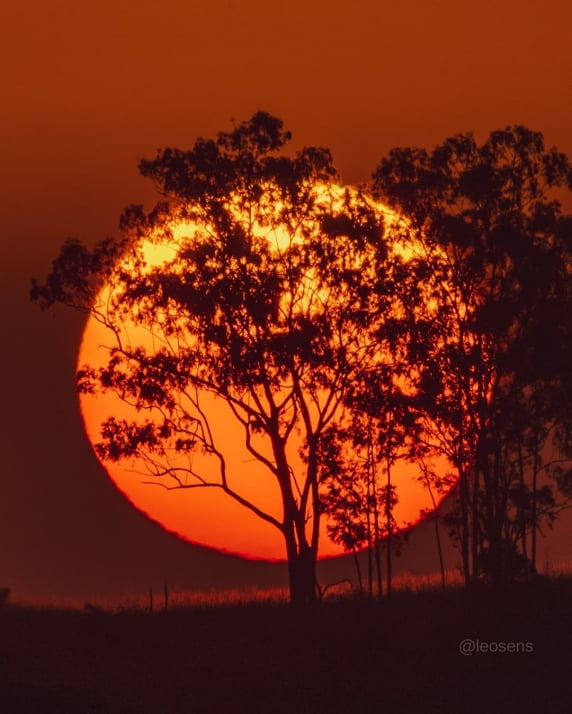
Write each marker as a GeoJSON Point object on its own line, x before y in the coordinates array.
{"type": "Point", "coordinates": [359, 657]}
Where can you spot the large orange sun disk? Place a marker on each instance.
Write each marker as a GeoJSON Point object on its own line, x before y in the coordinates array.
{"type": "Point", "coordinates": [207, 516]}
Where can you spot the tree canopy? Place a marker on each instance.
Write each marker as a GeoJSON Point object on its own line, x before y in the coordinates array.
{"type": "Point", "coordinates": [272, 296]}
{"type": "Point", "coordinates": [492, 359]}
{"type": "Point", "coordinates": [335, 326]}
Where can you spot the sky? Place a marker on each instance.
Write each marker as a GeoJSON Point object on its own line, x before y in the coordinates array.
{"type": "Point", "coordinates": [88, 89]}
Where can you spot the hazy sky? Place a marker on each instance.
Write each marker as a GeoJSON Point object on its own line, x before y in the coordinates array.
{"type": "Point", "coordinates": [89, 89]}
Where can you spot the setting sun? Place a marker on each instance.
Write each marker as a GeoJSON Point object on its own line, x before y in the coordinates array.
{"type": "Point", "coordinates": [207, 516]}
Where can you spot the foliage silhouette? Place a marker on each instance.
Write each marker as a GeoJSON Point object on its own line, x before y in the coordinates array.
{"type": "Point", "coordinates": [357, 457]}
{"type": "Point", "coordinates": [330, 326]}
{"type": "Point", "coordinates": [272, 300]}
{"type": "Point", "coordinates": [492, 358]}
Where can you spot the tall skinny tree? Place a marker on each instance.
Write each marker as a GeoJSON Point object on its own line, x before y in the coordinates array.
{"type": "Point", "coordinates": [357, 457]}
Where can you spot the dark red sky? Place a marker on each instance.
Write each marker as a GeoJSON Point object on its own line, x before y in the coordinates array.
{"type": "Point", "coordinates": [89, 90]}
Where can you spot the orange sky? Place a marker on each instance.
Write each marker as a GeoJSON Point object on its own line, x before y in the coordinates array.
{"type": "Point", "coordinates": [89, 89]}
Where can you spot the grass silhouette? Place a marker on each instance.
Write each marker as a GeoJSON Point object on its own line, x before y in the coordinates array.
{"type": "Point", "coordinates": [347, 655]}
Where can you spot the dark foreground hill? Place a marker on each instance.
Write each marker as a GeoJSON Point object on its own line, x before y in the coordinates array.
{"type": "Point", "coordinates": [400, 656]}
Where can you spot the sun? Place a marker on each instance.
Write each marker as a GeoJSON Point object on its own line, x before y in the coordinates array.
{"type": "Point", "coordinates": [207, 516]}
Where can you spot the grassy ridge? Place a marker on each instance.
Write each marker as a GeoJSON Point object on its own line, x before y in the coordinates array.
{"type": "Point", "coordinates": [348, 655]}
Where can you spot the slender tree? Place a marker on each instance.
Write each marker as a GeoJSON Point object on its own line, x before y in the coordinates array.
{"type": "Point", "coordinates": [356, 462]}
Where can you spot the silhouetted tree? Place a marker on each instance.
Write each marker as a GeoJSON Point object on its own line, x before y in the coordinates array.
{"type": "Point", "coordinates": [268, 301]}
{"type": "Point", "coordinates": [498, 250]}
{"type": "Point", "coordinates": [438, 485]}
{"type": "Point", "coordinates": [356, 464]}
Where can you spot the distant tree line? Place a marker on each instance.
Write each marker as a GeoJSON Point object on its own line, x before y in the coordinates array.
{"type": "Point", "coordinates": [447, 333]}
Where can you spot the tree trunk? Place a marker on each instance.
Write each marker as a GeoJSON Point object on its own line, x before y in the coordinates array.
{"type": "Point", "coordinates": [534, 514]}
{"type": "Point", "coordinates": [436, 522]}
{"type": "Point", "coordinates": [389, 528]}
{"type": "Point", "coordinates": [374, 495]}
{"type": "Point", "coordinates": [522, 503]}
{"type": "Point", "coordinates": [378, 556]}
{"type": "Point", "coordinates": [302, 558]}
{"type": "Point", "coordinates": [475, 525]}
{"type": "Point", "coordinates": [358, 570]}
{"type": "Point", "coordinates": [370, 536]}
{"type": "Point", "coordinates": [302, 577]}
{"type": "Point", "coordinates": [464, 525]}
